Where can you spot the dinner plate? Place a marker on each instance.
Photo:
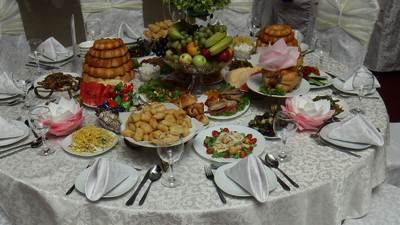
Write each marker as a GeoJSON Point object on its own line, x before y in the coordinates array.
{"type": "Point", "coordinates": [68, 140]}
{"type": "Point", "coordinates": [338, 84]}
{"type": "Point", "coordinates": [120, 189]}
{"type": "Point", "coordinates": [42, 58]}
{"type": "Point", "coordinates": [41, 78]}
{"type": "Point", "coordinates": [256, 81]}
{"type": "Point", "coordinates": [193, 131]}
{"type": "Point", "coordinates": [231, 187]}
{"type": "Point", "coordinates": [6, 96]}
{"type": "Point", "coordinates": [199, 147]}
{"type": "Point", "coordinates": [328, 128]}
{"type": "Point", "coordinates": [304, 47]}
{"type": "Point", "coordinates": [330, 81]}
{"type": "Point", "coordinates": [21, 125]}
{"type": "Point", "coordinates": [246, 124]}
{"type": "Point", "coordinates": [127, 40]}
{"type": "Point", "coordinates": [86, 45]}
{"type": "Point", "coordinates": [203, 98]}
{"type": "Point", "coordinates": [341, 103]}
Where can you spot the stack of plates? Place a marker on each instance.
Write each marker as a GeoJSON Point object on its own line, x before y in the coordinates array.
{"type": "Point", "coordinates": [84, 47]}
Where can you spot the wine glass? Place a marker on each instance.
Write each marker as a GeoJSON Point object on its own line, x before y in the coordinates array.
{"type": "Point", "coordinates": [93, 29]}
{"type": "Point", "coordinates": [35, 53]}
{"type": "Point", "coordinates": [178, 15]}
{"type": "Point", "coordinates": [323, 47]}
{"type": "Point", "coordinates": [363, 83]}
{"type": "Point", "coordinates": [254, 25]}
{"type": "Point", "coordinates": [285, 126]}
{"type": "Point", "coordinates": [23, 80]}
{"type": "Point", "coordinates": [41, 121]}
{"type": "Point", "coordinates": [170, 149]}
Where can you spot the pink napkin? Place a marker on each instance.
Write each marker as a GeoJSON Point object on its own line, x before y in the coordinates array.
{"type": "Point", "coordinates": [278, 56]}
{"type": "Point", "coordinates": [67, 116]}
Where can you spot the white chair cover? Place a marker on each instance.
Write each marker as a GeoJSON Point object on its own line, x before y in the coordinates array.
{"type": "Point", "coordinates": [393, 156]}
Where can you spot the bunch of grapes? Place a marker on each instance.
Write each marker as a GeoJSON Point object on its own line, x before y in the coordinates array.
{"type": "Point", "coordinates": [161, 46]}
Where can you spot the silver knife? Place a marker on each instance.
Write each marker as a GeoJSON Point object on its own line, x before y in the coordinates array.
{"type": "Point", "coordinates": [133, 197]}
{"type": "Point", "coordinates": [18, 146]}
{"type": "Point", "coordinates": [283, 184]}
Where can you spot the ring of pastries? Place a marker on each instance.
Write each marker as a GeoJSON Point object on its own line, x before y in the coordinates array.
{"type": "Point", "coordinates": [108, 72]}
{"type": "Point", "coordinates": [108, 54]}
{"type": "Point", "coordinates": [107, 63]}
{"type": "Point", "coordinates": [126, 77]}
{"type": "Point", "coordinates": [279, 30]}
{"type": "Point", "coordinates": [108, 43]}
{"type": "Point", "coordinates": [272, 39]}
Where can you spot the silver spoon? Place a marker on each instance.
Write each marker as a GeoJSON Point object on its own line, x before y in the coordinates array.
{"type": "Point", "coordinates": [154, 175]}
{"type": "Point", "coordinates": [273, 162]}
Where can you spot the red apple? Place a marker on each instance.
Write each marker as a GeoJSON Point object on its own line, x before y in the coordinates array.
{"type": "Point", "coordinates": [185, 58]}
{"type": "Point", "coordinates": [224, 56]}
{"type": "Point", "coordinates": [206, 54]}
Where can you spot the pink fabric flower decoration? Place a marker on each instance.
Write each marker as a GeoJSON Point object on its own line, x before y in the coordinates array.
{"type": "Point", "coordinates": [278, 56]}
{"type": "Point", "coordinates": [311, 114]}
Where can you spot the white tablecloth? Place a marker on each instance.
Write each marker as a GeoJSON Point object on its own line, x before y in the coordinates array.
{"type": "Point", "coordinates": [333, 185]}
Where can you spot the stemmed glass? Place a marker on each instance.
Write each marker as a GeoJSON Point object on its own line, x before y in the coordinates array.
{"type": "Point", "coordinates": [41, 121]}
{"type": "Point", "coordinates": [35, 52]}
{"type": "Point", "coordinates": [323, 47]}
{"type": "Point", "coordinates": [363, 83]}
{"type": "Point", "coordinates": [170, 149]}
{"type": "Point", "coordinates": [285, 126]}
{"type": "Point", "coordinates": [93, 29]}
{"type": "Point", "coordinates": [254, 25]}
{"type": "Point", "coordinates": [23, 80]}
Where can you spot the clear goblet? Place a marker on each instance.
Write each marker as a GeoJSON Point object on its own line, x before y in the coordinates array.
{"type": "Point", "coordinates": [93, 29]}
{"type": "Point", "coordinates": [363, 83]}
{"type": "Point", "coordinates": [285, 126]}
{"type": "Point", "coordinates": [35, 53]}
{"type": "Point", "coordinates": [254, 25]}
{"type": "Point", "coordinates": [23, 80]}
{"type": "Point", "coordinates": [41, 121]}
{"type": "Point", "coordinates": [170, 149]}
{"type": "Point", "coordinates": [323, 47]}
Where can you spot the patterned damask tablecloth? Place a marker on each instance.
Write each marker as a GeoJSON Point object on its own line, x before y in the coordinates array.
{"type": "Point", "coordinates": [333, 185]}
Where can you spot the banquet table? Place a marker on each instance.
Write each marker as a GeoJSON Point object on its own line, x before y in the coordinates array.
{"type": "Point", "coordinates": [333, 185]}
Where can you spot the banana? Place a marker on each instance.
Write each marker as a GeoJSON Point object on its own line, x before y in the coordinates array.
{"type": "Point", "coordinates": [220, 46]}
{"type": "Point", "coordinates": [174, 30]}
{"type": "Point", "coordinates": [214, 39]}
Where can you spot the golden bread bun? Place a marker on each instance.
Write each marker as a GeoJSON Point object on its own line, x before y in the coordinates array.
{"type": "Point", "coordinates": [126, 77]}
{"type": "Point", "coordinates": [108, 43]}
{"type": "Point", "coordinates": [106, 63]}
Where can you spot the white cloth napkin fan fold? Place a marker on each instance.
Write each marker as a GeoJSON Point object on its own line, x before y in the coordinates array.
{"type": "Point", "coordinates": [249, 173]}
{"type": "Point", "coordinates": [358, 130]}
{"type": "Point", "coordinates": [9, 129]}
{"type": "Point", "coordinates": [123, 28]}
{"type": "Point", "coordinates": [7, 86]}
{"type": "Point", "coordinates": [51, 48]}
{"type": "Point", "coordinates": [103, 176]}
{"type": "Point", "coordinates": [348, 78]}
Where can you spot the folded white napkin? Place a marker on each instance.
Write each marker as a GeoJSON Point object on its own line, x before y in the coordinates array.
{"type": "Point", "coordinates": [51, 48]}
{"type": "Point", "coordinates": [298, 35]}
{"type": "Point", "coordinates": [7, 86]}
{"type": "Point", "coordinates": [123, 28]}
{"type": "Point", "coordinates": [64, 109]}
{"type": "Point", "coordinates": [103, 176]}
{"type": "Point", "coordinates": [359, 130]}
{"type": "Point", "coordinates": [348, 77]}
{"type": "Point", "coordinates": [9, 129]}
{"type": "Point", "coordinates": [249, 173]}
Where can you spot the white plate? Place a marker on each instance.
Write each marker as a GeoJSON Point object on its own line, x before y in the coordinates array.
{"type": "Point", "coordinates": [338, 84]}
{"type": "Point", "coordinates": [341, 103]}
{"type": "Point", "coordinates": [126, 40]}
{"type": "Point", "coordinates": [203, 98]}
{"type": "Point", "coordinates": [41, 78]}
{"type": "Point", "coordinates": [330, 81]}
{"type": "Point", "coordinates": [193, 131]}
{"type": "Point", "coordinates": [231, 187]}
{"type": "Point", "coordinates": [21, 125]}
{"type": "Point", "coordinates": [304, 47]}
{"type": "Point", "coordinates": [68, 140]}
{"type": "Point", "coordinates": [246, 124]}
{"type": "Point", "coordinates": [90, 106]}
{"type": "Point", "coordinates": [59, 58]}
{"type": "Point", "coordinates": [198, 143]}
{"type": "Point", "coordinates": [328, 128]}
{"type": "Point", "coordinates": [86, 45]}
{"type": "Point", "coordinates": [256, 81]}
{"type": "Point", "coordinates": [120, 189]}
{"type": "Point", "coordinates": [5, 96]}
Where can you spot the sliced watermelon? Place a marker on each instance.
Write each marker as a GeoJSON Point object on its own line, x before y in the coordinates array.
{"type": "Point", "coordinates": [92, 93]}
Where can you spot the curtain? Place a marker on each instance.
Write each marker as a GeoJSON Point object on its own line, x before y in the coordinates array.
{"type": "Point", "coordinates": [10, 19]}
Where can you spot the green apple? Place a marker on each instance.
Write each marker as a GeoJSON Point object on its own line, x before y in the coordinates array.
{"type": "Point", "coordinates": [185, 58]}
{"type": "Point", "coordinates": [199, 60]}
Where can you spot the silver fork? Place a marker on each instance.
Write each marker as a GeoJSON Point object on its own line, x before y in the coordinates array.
{"type": "Point", "coordinates": [317, 138]}
{"type": "Point", "coordinates": [210, 176]}
{"type": "Point", "coordinates": [73, 186]}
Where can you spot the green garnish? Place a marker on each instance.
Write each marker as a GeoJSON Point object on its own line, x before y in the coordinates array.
{"type": "Point", "coordinates": [274, 91]}
{"type": "Point", "coordinates": [157, 91]}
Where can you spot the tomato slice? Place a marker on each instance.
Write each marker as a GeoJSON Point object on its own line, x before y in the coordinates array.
{"type": "Point", "coordinates": [205, 145]}
{"type": "Point", "coordinates": [253, 141]}
{"type": "Point", "coordinates": [226, 156]}
{"type": "Point", "coordinates": [215, 133]}
{"type": "Point", "coordinates": [242, 154]}
{"type": "Point", "coordinates": [249, 136]}
{"type": "Point", "coordinates": [210, 151]}
{"type": "Point", "coordinates": [251, 148]}
{"type": "Point", "coordinates": [226, 130]}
